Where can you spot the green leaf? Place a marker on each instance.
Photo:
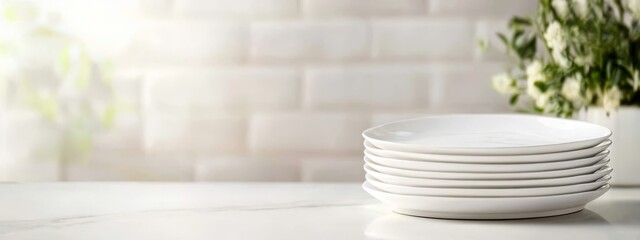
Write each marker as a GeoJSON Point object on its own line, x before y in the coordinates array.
{"type": "Point", "coordinates": [45, 104]}
{"type": "Point", "coordinates": [514, 99]}
{"type": "Point", "coordinates": [64, 61]}
{"type": "Point", "coordinates": [537, 109]}
{"type": "Point", "coordinates": [503, 39]}
{"type": "Point", "coordinates": [516, 35]}
{"type": "Point", "coordinates": [518, 23]}
{"type": "Point", "coordinates": [109, 116]}
{"type": "Point", "coordinates": [528, 48]}
{"type": "Point", "coordinates": [85, 72]}
{"type": "Point", "coordinates": [541, 86]}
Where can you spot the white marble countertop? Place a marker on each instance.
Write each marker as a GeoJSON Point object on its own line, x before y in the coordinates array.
{"type": "Point", "coordinates": [271, 211]}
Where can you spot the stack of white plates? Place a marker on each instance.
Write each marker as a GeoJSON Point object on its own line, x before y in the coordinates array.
{"type": "Point", "coordinates": [487, 166]}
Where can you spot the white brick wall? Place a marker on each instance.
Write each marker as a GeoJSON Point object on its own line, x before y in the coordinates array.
{"type": "Point", "coordinates": [280, 90]}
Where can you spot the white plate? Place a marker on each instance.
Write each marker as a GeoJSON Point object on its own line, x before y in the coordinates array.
{"type": "Point", "coordinates": [487, 176]}
{"type": "Point", "coordinates": [446, 183]}
{"type": "Point", "coordinates": [484, 168]}
{"type": "Point", "coordinates": [489, 134]}
{"type": "Point", "coordinates": [485, 208]}
{"type": "Point", "coordinates": [531, 158]}
{"type": "Point", "coordinates": [488, 192]}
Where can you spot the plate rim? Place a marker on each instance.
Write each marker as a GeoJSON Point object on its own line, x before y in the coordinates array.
{"type": "Point", "coordinates": [599, 164]}
{"type": "Point", "coordinates": [605, 169]}
{"type": "Point", "coordinates": [604, 187]}
{"type": "Point", "coordinates": [410, 145]}
{"type": "Point", "coordinates": [478, 159]}
{"type": "Point", "coordinates": [368, 154]}
{"type": "Point", "coordinates": [603, 181]}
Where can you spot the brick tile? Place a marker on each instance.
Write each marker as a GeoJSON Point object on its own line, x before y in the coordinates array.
{"type": "Point", "coordinates": [362, 8]}
{"type": "Point", "coordinates": [491, 8]}
{"type": "Point", "coordinates": [250, 9]}
{"type": "Point", "coordinates": [307, 133]}
{"type": "Point", "coordinates": [194, 133]}
{"type": "Point", "coordinates": [398, 7]}
{"type": "Point", "coordinates": [379, 118]}
{"type": "Point", "coordinates": [187, 42]}
{"type": "Point", "coordinates": [119, 166]}
{"type": "Point", "coordinates": [279, 41]}
{"type": "Point", "coordinates": [124, 135]}
{"type": "Point", "coordinates": [423, 39]}
{"type": "Point", "coordinates": [231, 90]}
{"type": "Point", "coordinates": [345, 169]}
{"type": "Point", "coordinates": [246, 168]}
{"type": "Point", "coordinates": [464, 88]}
{"type": "Point", "coordinates": [362, 87]}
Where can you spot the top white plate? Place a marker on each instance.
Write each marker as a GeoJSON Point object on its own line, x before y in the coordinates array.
{"type": "Point", "coordinates": [486, 134]}
{"type": "Point", "coordinates": [503, 159]}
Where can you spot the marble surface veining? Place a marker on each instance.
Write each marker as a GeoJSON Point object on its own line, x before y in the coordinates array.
{"type": "Point", "coordinates": [272, 211]}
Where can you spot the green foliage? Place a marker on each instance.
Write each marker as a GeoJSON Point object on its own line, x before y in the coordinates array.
{"type": "Point", "coordinates": [598, 44]}
{"type": "Point", "coordinates": [62, 83]}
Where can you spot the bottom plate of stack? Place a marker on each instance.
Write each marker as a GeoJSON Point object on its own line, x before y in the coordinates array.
{"type": "Point", "coordinates": [485, 207]}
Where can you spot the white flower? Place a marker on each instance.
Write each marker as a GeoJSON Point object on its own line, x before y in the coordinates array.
{"type": "Point", "coordinates": [532, 90]}
{"type": "Point", "coordinates": [559, 58]}
{"type": "Point", "coordinates": [505, 84]}
{"type": "Point", "coordinates": [581, 7]}
{"type": "Point", "coordinates": [561, 7]}
{"type": "Point", "coordinates": [571, 88]}
{"type": "Point", "coordinates": [636, 80]}
{"type": "Point", "coordinates": [584, 60]}
{"type": "Point", "coordinates": [534, 71]}
{"type": "Point", "coordinates": [534, 74]}
{"type": "Point", "coordinates": [555, 37]}
{"type": "Point", "coordinates": [588, 95]}
{"type": "Point", "coordinates": [543, 100]}
{"type": "Point", "coordinates": [611, 99]}
{"type": "Point", "coordinates": [634, 6]}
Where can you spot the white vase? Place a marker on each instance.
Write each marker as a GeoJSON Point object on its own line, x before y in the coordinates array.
{"type": "Point", "coordinates": [625, 150]}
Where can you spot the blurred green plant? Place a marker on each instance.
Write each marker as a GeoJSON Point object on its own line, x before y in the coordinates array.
{"type": "Point", "coordinates": [573, 54]}
{"type": "Point", "coordinates": [46, 70]}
